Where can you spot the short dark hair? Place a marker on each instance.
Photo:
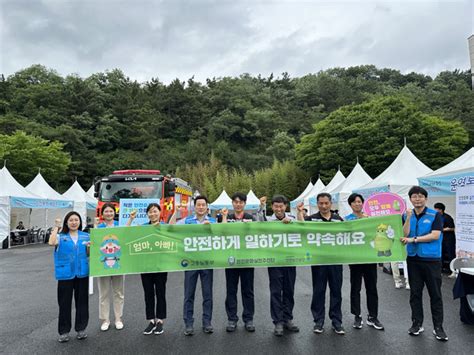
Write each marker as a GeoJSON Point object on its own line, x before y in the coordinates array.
{"type": "Point", "coordinates": [106, 205]}
{"type": "Point", "coordinates": [65, 228]}
{"type": "Point", "coordinates": [201, 197]}
{"type": "Point", "coordinates": [305, 209]}
{"type": "Point", "coordinates": [151, 205]}
{"type": "Point", "coordinates": [440, 206]}
{"type": "Point", "coordinates": [239, 195]}
{"type": "Point", "coordinates": [324, 194]}
{"type": "Point", "coordinates": [417, 190]}
{"type": "Point", "coordinates": [353, 196]}
{"type": "Point", "coordinates": [279, 199]}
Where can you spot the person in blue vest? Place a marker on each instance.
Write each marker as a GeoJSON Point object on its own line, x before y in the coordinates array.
{"type": "Point", "coordinates": [71, 266]}
{"type": "Point", "coordinates": [190, 277]}
{"type": "Point", "coordinates": [366, 271]}
{"type": "Point", "coordinates": [423, 237]}
{"type": "Point", "coordinates": [110, 285]}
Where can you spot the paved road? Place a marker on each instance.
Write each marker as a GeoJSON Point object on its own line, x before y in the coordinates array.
{"type": "Point", "coordinates": [28, 315]}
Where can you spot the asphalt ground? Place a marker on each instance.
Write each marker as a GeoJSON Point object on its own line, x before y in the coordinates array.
{"type": "Point", "coordinates": [29, 315]}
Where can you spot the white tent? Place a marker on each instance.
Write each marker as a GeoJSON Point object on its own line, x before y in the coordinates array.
{"type": "Point", "coordinates": [317, 188]}
{"type": "Point", "coordinates": [301, 197]}
{"type": "Point", "coordinates": [399, 177]}
{"type": "Point", "coordinates": [337, 179]}
{"type": "Point", "coordinates": [83, 203]}
{"type": "Point", "coordinates": [222, 201]}
{"type": "Point", "coordinates": [59, 205]}
{"type": "Point", "coordinates": [356, 178]}
{"type": "Point", "coordinates": [441, 184]}
{"type": "Point", "coordinates": [253, 203]}
{"type": "Point", "coordinates": [90, 192]}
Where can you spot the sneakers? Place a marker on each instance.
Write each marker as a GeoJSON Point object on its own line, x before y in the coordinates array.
{"type": "Point", "coordinates": [231, 326]}
{"type": "Point", "coordinates": [63, 338]}
{"type": "Point", "coordinates": [249, 326]}
{"type": "Point", "coordinates": [440, 334]}
{"type": "Point", "coordinates": [159, 328]}
{"type": "Point", "coordinates": [189, 330]}
{"type": "Point", "coordinates": [407, 286]}
{"type": "Point", "coordinates": [105, 326]}
{"type": "Point", "coordinates": [398, 285]}
{"type": "Point", "coordinates": [81, 335]}
{"type": "Point", "coordinates": [278, 331]}
{"type": "Point", "coordinates": [374, 322]}
{"type": "Point", "coordinates": [358, 322]}
{"type": "Point", "coordinates": [416, 329]}
{"type": "Point", "coordinates": [150, 328]}
{"type": "Point", "coordinates": [119, 325]}
{"type": "Point", "coordinates": [338, 329]}
{"type": "Point", "coordinates": [208, 329]}
{"type": "Point", "coordinates": [318, 328]}
{"type": "Point", "coordinates": [290, 326]}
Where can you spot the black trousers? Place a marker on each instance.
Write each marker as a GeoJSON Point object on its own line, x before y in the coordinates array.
{"type": "Point", "coordinates": [368, 272]}
{"type": "Point", "coordinates": [282, 291]}
{"type": "Point", "coordinates": [246, 276]}
{"type": "Point", "coordinates": [321, 277]}
{"type": "Point", "coordinates": [427, 273]}
{"type": "Point", "coordinates": [66, 288]}
{"type": "Point", "coordinates": [154, 284]}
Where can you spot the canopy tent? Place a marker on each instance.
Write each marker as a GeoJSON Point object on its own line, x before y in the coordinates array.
{"type": "Point", "coordinates": [83, 203]}
{"type": "Point", "coordinates": [335, 181]}
{"type": "Point", "coordinates": [223, 201]}
{"type": "Point", "coordinates": [45, 217]}
{"type": "Point", "coordinates": [356, 178]}
{"type": "Point", "coordinates": [253, 203]}
{"type": "Point", "coordinates": [399, 177]}
{"type": "Point", "coordinates": [90, 192]}
{"type": "Point", "coordinates": [441, 184]}
{"type": "Point", "coordinates": [301, 197]}
{"type": "Point", "coordinates": [317, 188]}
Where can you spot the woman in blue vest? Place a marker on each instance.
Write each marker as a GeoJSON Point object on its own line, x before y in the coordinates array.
{"type": "Point", "coordinates": [110, 284]}
{"type": "Point", "coordinates": [71, 265]}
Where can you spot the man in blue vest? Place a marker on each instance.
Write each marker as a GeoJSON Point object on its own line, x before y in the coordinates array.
{"type": "Point", "coordinates": [190, 277]}
{"type": "Point", "coordinates": [423, 237]}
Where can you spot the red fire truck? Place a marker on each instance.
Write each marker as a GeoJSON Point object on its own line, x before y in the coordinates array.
{"type": "Point", "coordinates": [173, 193]}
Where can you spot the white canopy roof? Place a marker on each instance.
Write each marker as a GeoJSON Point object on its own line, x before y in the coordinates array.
{"type": "Point", "coordinates": [40, 187]}
{"type": "Point", "coordinates": [77, 194]}
{"type": "Point", "coordinates": [317, 188]}
{"type": "Point", "coordinates": [403, 172]}
{"type": "Point", "coordinates": [252, 201]}
{"type": "Point", "coordinates": [11, 187]}
{"type": "Point", "coordinates": [303, 194]}
{"type": "Point", "coordinates": [335, 182]}
{"type": "Point", "coordinates": [222, 201]}
{"type": "Point", "coordinates": [464, 163]}
{"type": "Point", "coordinates": [356, 178]}
{"type": "Point", "coordinates": [90, 192]}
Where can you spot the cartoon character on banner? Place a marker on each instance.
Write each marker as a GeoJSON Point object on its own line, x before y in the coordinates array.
{"type": "Point", "coordinates": [110, 252]}
{"type": "Point", "coordinates": [383, 240]}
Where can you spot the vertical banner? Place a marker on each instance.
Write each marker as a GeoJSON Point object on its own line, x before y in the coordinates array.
{"type": "Point", "coordinates": [127, 205]}
{"type": "Point", "coordinates": [465, 221]}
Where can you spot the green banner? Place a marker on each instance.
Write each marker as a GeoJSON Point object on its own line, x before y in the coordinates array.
{"type": "Point", "coordinates": [131, 250]}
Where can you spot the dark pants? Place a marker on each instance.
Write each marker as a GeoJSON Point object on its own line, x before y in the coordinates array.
{"type": "Point", "coordinates": [323, 275]}
{"type": "Point", "coordinates": [427, 273]}
{"type": "Point", "coordinates": [369, 273]}
{"type": "Point", "coordinates": [282, 291]}
{"type": "Point", "coordinates": [246, 276]}
{"type": "Point", "coordinates": [80, 288]}
{"type": "Point", "coordinates": [448, 250]}
{"type": "Point", "coordinates": [190, 282]}
{"type": "Point", "coordinates": [154, 284]}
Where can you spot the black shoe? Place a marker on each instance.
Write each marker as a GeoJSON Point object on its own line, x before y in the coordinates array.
{"type": "Point", "coordinates": [208, 329]}
{"type": "Point", "coordinates": [440, 334]}
{"type": "Point", "coordinates": [81, 335]}
{"type": "Point", "coordinates": [416, 329]}
{"type": "Point", "coordinates": [374, 322]}
{"type": "Point", "coordinates": [249, 326]}
{"type": "Point", "coordinates": [290, 326]}
{"type": "Point", "coordinates": [278, 331]}
{"type": "Point", "coordinates": [318, 328]}
{"type": "Point", "coordinates": [338, 329]}
{"type": "Point", "coordinates": [357, 322]}
{"type": "Point", "coordinates": [150, 328]}
{"type": "Point", "coordinates": [158, 328]}
{"type": "Point", "coordinates": [189, 330]}
{"type": "Point", "coordinates": [231, 326]}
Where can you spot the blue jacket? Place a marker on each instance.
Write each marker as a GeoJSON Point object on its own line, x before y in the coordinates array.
{"type": "Point", "coordinates": [193, 220]}
{"type": "Point", "coordinates": [70, 259]}
{"type": "Point", "coordinates": [422, 226]}
{"type": "Point", "coordinates": [103, 225]}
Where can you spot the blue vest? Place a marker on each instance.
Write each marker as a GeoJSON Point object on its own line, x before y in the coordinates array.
{"type": "Point", "coordinates": [103, 225]}
{"type": "Point", "coordinates": [194, 220]}
{"type": "Point", "coordinates": [70, 259]}
{"type": "Point", "coordinates": [420, 227]}
{"type": "Point", "coordinates": [350, 217]}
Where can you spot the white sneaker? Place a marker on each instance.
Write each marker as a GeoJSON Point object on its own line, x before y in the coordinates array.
{"type": "Point", "coordinates": [453, 275]}
{"type": "Point", "coordinates": [398, 285]}
{"type": "Point", "coordinates": [119, 325]}
{"type": "Point", "coordinates": [105, 326]}
{"type": "Point", "coordinates": [407, 286]}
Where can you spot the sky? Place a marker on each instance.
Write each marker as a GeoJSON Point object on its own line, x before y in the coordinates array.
{"type": "Point", "coordinates": [205, 39]}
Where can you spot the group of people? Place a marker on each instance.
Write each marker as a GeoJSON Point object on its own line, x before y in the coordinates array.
{"type": "Point", "coordinates": [422, 229]}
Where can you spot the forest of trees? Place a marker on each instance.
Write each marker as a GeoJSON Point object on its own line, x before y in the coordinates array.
{"type": "Point", "coordinates": [270, 134]}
